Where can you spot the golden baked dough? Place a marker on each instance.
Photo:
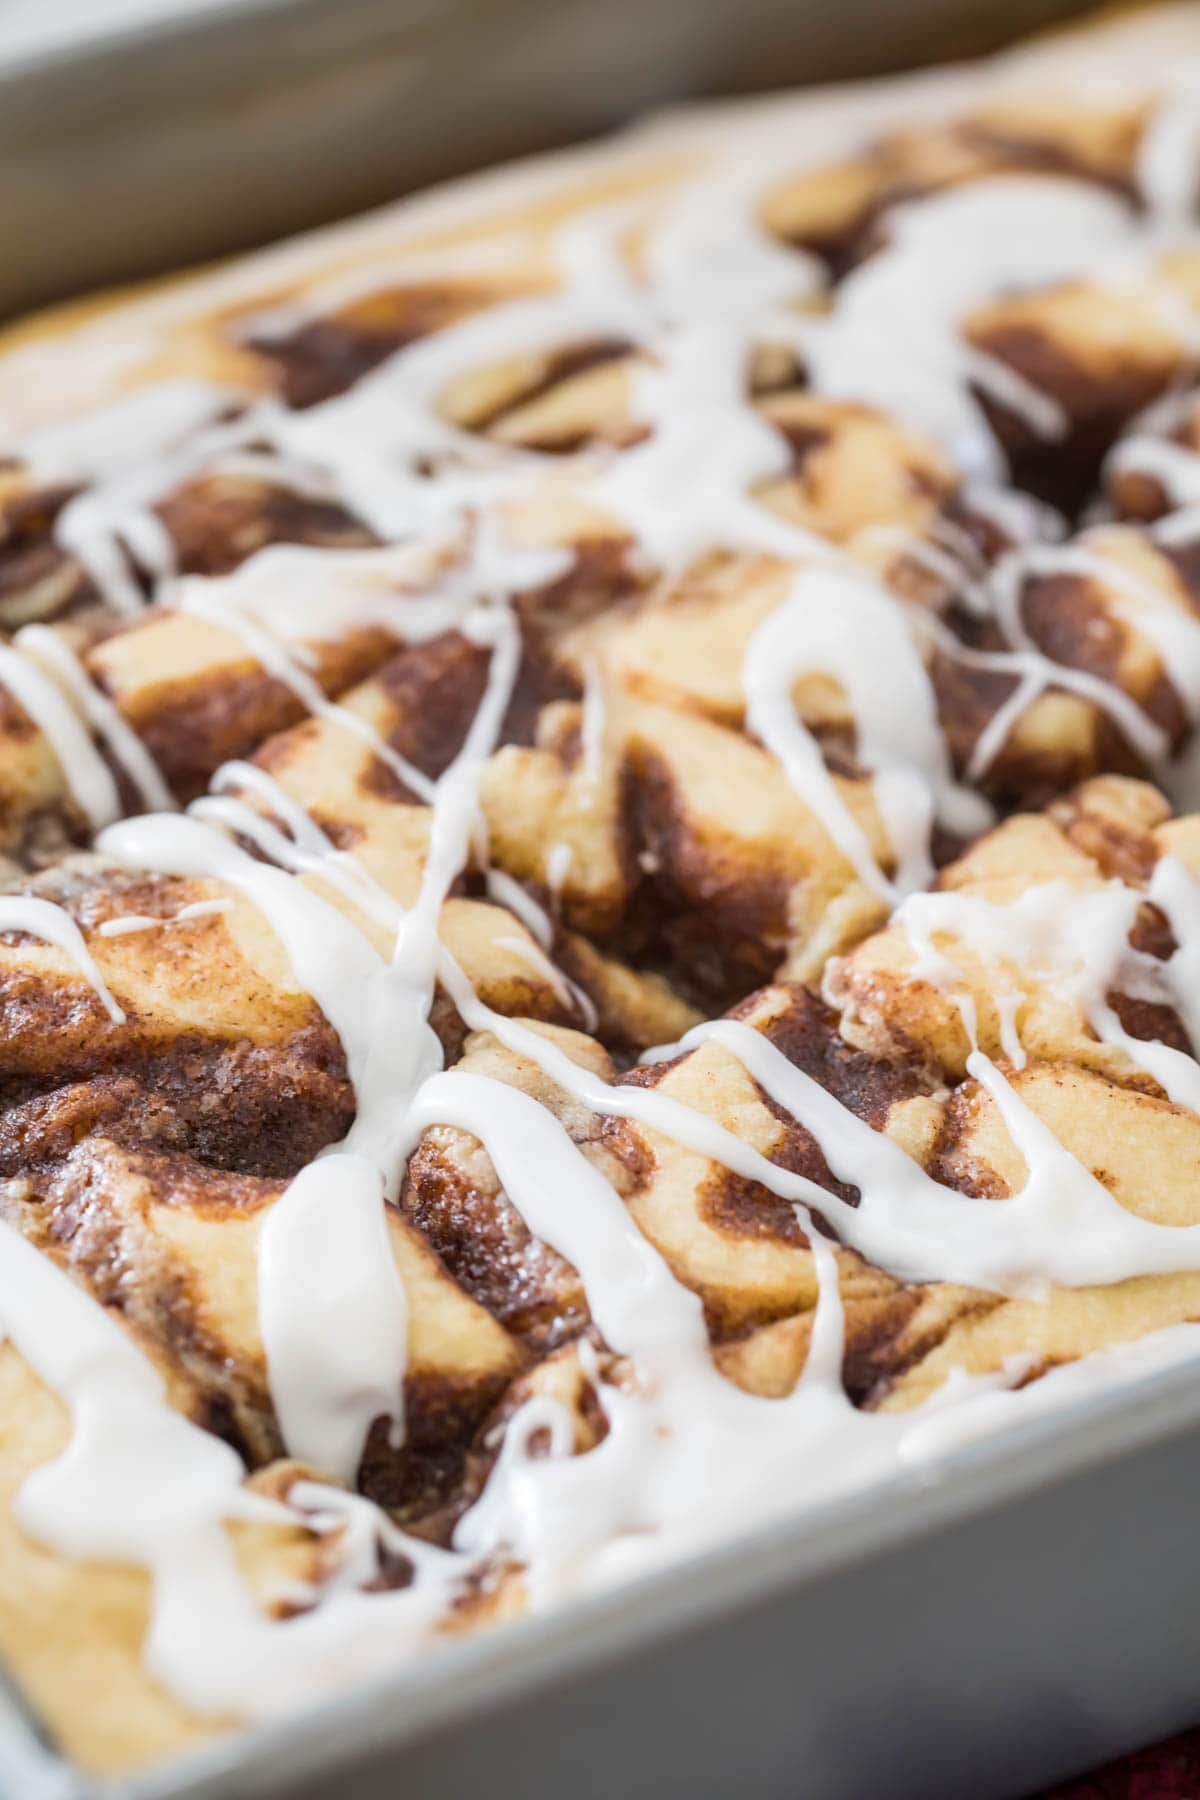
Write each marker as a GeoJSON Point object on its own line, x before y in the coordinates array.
{"type": "Point", "coordinates": [590, 898]}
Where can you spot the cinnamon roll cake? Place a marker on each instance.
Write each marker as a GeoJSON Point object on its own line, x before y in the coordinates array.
{"type": "Point", "coordinates": [601, 924]}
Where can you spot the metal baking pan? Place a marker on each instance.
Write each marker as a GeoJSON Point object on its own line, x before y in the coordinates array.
{"type": "Point", "coordinates": [123, 153]}
{"type": "Point", "coordinates": [1030, 1612]}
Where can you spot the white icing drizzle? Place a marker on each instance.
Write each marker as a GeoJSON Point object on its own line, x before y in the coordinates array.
{"type": "Point", "coordinates": [893, 341]}
{"type": "Point", "coordinates": [302, 595]}
{"type": "Point", "coordinates": [953, 561]}
{"type": "Point", "coordinates": [87, 776]}
{"type": "Point", "coordinates": [559, 858]}
{"type": "Point", "coordinates": [507, 892]}
{"type": "Point", "coordinates": [1170, 627]}
{"type": "Point", "coordinates": [144, 425]}
{"type": "Point", "coordinates": [281, 592]}
{"type": "Point", "coordinates": [324, 592]}
{"type": "Point", "coordinates": [127, 452]}
{"type": "Point", "coordinates": [1062, 1227]}
{"type": "Point", "coordinates": [1017, 516]}
{"type": "Point", "coordinates": [45, 919]}
{"type": "Point", "coordinates": [283, 667]}
{"type": "Point", "coordinates": [591, 731]}
{"type": "Point", "coordinates": [1168, 163]}
{"type": "Point", "coordinates": [140, 1484]}
{"type": "Point", "coordinates": [685, 1452]}
{"type": "Point", "coordinates": [823, 626]}
{"type": "Point", "coordinates": [324, 1413]}
{"type": "Point", "coordinates": [131, 923]}
{"type": "Point", "coordinates": [50, 650]}
{"type": "Point", "coordinates": [336, 1362]}
{"type": "Point", "coordinates": [711, 257]}
{"type": "Point", "coordinates": [1174, 631]}
{"type": "Point", "coordinates": [1078, 942]}
{"type": "Point", "coordinates": [1176, 467]}
{"type": "Point", "coordinates": [568, 992]}
{"type": "Point", "coordinates": [1148, 447]}
{"type": "Point", "coordinates": [332, 1308]}
{"type": "Point", "coordinates": [686, 489]}
{"type": "Point", "coordinates": [107, 525]}
{"type": "Point", "coordinates": [713, 286]}
{"type": "Point", "coordinates": [308, 850]}
{"type": "Point", "coordinates": [1036, 672]}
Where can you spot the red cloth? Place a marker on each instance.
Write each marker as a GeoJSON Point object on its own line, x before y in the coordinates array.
{"type": "Point", "coordinates": [1170, 1771]}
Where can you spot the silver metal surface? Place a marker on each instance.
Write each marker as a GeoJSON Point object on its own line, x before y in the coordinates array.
{"type": "Point", "coordinates": [1035, 1609]}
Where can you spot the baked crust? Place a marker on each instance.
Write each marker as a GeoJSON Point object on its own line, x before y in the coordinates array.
{"type": "Point", "coordinates": [645, 859]}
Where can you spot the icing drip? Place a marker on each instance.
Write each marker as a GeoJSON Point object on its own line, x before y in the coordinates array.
{"type": "Point", "coordinates": [44, 919]}
{"type": "Point", "coordinates": [1174, 632]}
{"type": "Point", "coordinates": [145, 425]}
{"type": "Point", "coordinates": [87, 776]}
{"type": "Point", "coordinates": [306, 851]}
{"type": "Point", "coordinates": [140, 1484]}
{"type": "Point", "coordinates": [299, 595]}
{"type": "Point", "coordinates": [1037, 674]}
{"type": "Point", "coordinates": [893, 341]}
{"type": "Point", "coordinates": [357, 1318]}
{"type": "Point", "coordinates": [1062, 1227]}
{"type": "Point", "coordinates": [509, 893]}
{"type": "Point", "coordinates": [131, 923]}
{"type": "Point", "coordinates": [1080, 943]}
{"type": "Point", "coordinates": [823, 628]}
{"type": "Point", "coordinates": [559, 858]}
{"type": "Point", "coordinates": [569, 992]}
{"type": "Point", "coordinates": [332, 1308]}
{"type": "Point", "coordinates": [53, 654]}
{"type": "Point", "coordinates": [284, 668]}
{"type": "Point", "coordinates": [336, 1361]}
{"type": "Point", "coordinates": [591, 731]}
{"type": "Point", "coordinates": [1174, 466]}
{"type": "Point", "coordinates": [686, 489]}
{"type": "Point", "coordinates": [1168, 166]}
{"type": "Point", "coordinates": [128, 453]}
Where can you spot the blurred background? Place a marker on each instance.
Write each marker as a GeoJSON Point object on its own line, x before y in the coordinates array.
{"type": "Point", "coordinates": [136, 135]}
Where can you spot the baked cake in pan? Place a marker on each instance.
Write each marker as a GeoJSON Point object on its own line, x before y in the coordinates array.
{"type": "Point", "coordinates": [601, 932]}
